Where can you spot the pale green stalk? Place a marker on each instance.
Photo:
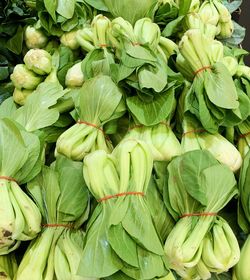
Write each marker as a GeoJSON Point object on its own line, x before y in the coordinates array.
{"type": "Point", "coordinates": [38, 61]}
{"type": "Point", "coordinates": [188, 52]}
{"type": "Point", "coordinates": [34, 38]}
{"type": "Point", "coordinates": [68, 39]}
{"type": "Point", "coordinates": [22, 77]}
{"type": "Point", "coordinates": [20, 96]}
{"type": "Point", "coordinates": [100, 25]}
{"type": "Point", "coordinates": [241, 270]}
{"type": "Point", "coordinates": [75, 76]}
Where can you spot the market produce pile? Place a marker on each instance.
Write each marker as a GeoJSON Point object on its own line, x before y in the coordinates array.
{"type": "Point", "coordinates": [124, 140]}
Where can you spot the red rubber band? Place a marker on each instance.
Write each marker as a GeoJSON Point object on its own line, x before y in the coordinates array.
{"type": "Point", "coordinates": [91, 124]}
{"type": "Point", "coordinates": [194, 131]}
{"type": "Point", "coordinates": [202, 69]}
{"type": "Point", "coordinates": [58, 225]}
{"type": "Point", "coordinates": [198, 215]}
{"type": "Point", "coordinates": [119, 195]}
{"type": "Point", "coordinates": [244, 135]}
{"type": "Point", "coordinates": [8, 179]}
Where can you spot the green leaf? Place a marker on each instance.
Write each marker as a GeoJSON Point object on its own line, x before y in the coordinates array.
{"type": "Point", "coordinates": [223, 177]}
{"type": "Point", "coordinates": [36, 112]}
{"type": "Point", "coordinates": [119, 276]}
{"type": "Point", "coordinates": [232, 6]}
{"type": "Point", "coordinates": [155, 111]}
{"type": "Point", "coordinates": [33, 165]}
{"type": "Point", "coordinates": [4, 72]}
{"type": "Point", "coordinates": [155, 78]}
{"type": "Point", "coordinates": [140, 52]}
{"type": "Point", "coordinates": [74, 195]}
{"type": "Point", "coordinates": [8, 108]}
{"type": "Point", "coordinates": [66, 8]}
{"type": "Point", "coordinates": [151, 265]}
{"type": "Point", "coordinates": [70, 24]}
{"type": "Point", "coordinates": [51, 6]}
{"type": "Point", "coordinates": [98, 259]}
{"type": "Point", "coordinates": [139, 225]}
{"type": "Point", "coordinates": [50, 194]}
{"type": "Point", "coordinates": [172, 27]}
{"type": "Point", "coordinates": [97, 4]}
{"type": "Point", "coordinates": [184, 7]}
{"type": "Point", "coordinates": [11, 137]}
{"type": "Point", "coordinates": [119, 239]}
{"type": "Point", "coordinates": [220, 87]}
{"type": "Point", "coordinates": [237, 37]}
{"type": "Point", "coordinates": [98, 100]}
{"type": "Point", "coordinates": [162, 220]}
{"type": "Point", "coordinates": [15, 44]}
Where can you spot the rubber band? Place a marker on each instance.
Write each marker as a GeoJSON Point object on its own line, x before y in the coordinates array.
{"type": "Point", "coordinates": [57, 225]}
{"type": "Point", "coordinates": [8, 179]}
{"type": "Point", "coordinates": [104, 46]}
{"type": "Point", "coordinates": [95, 126]}
{"type": "Point", "coordinates": [119, 195]}
{"type": "Point", "coordinates": [244, 135]}
{"type": "Point", "coordinates": [141, 125]}
{"type": "Point", "coordinates": [198, 215]}
{"type": "Point", "coordinates": [194, 131]}
{"type": "Point", "coordinates": [202, 69]}
{"type": "Point", "coordinates": [90, 124]}
{"type": "Point", "coordinates": [136, 44]}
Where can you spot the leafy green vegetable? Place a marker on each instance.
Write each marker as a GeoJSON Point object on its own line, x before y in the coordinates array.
{"type": "Point", "coordinates": [197, 183]}
{"type": "Point", "coordinates": [8, 266]}
{"type": "Point", "coordinates": [126, 216]}
{"type": "Point", "coordinates": [20, 218]}
{"type": "Point", "coordinates": [63, 199]}
{"type": "Point", "coordinates": [99, 102]}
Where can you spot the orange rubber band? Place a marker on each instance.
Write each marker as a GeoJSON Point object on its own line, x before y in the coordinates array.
{"type": "Point", "coordinates": [8, 179]}
{"type": "Point", "coordinates": [90, 124]}
{"type": "Point", "coordinates": [136, 44]}
{"type": "Point", "coordinates": [244, 135]}
{"type": "Point", "coordinates": [194, 131]}
{"type": "Point", "coordinates": [95, 126]}
{"type": "Point", "coordinates": [202, 69]}
{"type": "Point", "coordinates": [198, 215]}
{"type": "Point", "coordinates": [103, 46]}
{"type": "Point", "coordinates": [141, 125]}
{"type": "Point", "coordinates": [58, 225]}
{"type": "Point", "coordinates": [119, 195]}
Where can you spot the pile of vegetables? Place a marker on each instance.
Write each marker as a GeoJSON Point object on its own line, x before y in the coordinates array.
{"type": "Point", "coordinates": [124, 140]}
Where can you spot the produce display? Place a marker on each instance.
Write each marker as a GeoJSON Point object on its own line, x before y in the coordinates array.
{"type": "Point", "coordinates": [124, 140]}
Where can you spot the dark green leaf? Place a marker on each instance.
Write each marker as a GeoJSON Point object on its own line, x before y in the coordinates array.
{"type": "Point", "coordinates": [15, 43]}
{"type": "Point", "coordinates": [172, 27]}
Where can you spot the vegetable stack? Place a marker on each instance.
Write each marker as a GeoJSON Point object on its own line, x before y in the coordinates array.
{"type": "Point", "coordinates": [124, 140]}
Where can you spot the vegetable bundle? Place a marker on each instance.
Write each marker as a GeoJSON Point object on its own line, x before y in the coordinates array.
{"type": "Point", "coordinates": [124, 140]}
{"type": "Point", "coordinates": [122, 213]}
{"type": "Point", "coordinates": [63, 200]}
